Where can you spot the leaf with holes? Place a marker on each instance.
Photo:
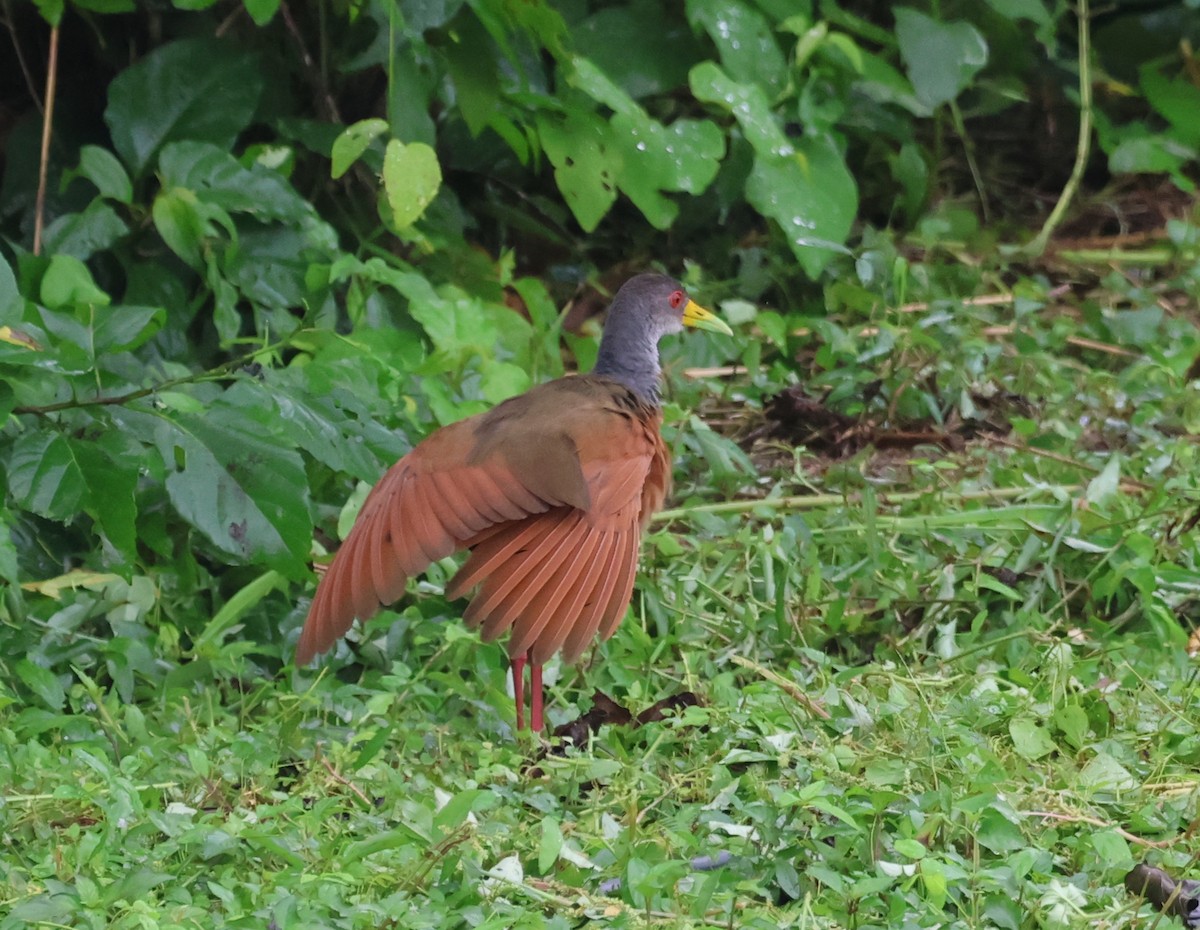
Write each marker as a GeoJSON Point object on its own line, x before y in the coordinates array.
{"type": "Point", "coordinates": [581, 149]}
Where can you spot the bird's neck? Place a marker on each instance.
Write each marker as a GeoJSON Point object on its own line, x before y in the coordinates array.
{"type": "Point", "coordinates": [630, 357]}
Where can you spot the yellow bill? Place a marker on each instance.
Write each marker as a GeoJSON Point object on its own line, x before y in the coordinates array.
{"type": "Point", "coordinates": [696, 316]}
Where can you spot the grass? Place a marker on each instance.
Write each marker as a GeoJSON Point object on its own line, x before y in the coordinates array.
{"type": "Point", "coordinates": [939, 688]}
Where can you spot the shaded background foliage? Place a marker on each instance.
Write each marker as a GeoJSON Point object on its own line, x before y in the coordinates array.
{"type": "Point", "coordinates": [283, 242]}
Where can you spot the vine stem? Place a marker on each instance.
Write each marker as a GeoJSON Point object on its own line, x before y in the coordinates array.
{"type": "Point", "coordinates": [220, 371]}
{"type": "Point", "coordinates": [47, 130]}
{"type": "Point", "coordinates": [1083, 145]}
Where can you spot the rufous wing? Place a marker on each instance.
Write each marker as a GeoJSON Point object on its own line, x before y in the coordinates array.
{"type": "Point", "coordinates": [549, 490]}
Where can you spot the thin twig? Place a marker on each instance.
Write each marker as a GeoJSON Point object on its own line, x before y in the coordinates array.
{"type": "Point", "coordinates": [983, 300]}
{"type": "Point", "coordinates": [342, 780]}
{"type": "Point", "coordinates": [960, 126]}
{"type": "Point", "coordinates": [1126, 484]}
{"type": "Point", "coordinates": [717, 371]}
{"type": "Point", "coordinates": [47, 125]}
{"type": "Point", "coordinates": [223, 370]}
{"type": "Point", "coordinates": [1084, 143]}
{"type": "Point", "coordinates": [1079, 342]}
{"type": "Point", "coordinates": [1097, 822]}
{"type": "Point", "coordinates": [310, 66]}
{"type": "Point", "coordinates": [792, 689]}
{"type": "Point", "coordinates": [30, 84]}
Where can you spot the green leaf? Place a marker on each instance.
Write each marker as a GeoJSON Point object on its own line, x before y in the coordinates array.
{"type": "Point", "coordinates": [1036, 11]}
{"type": "Point", "coordinates": [208, 643]}
{"type": "Point", "coordinates": [11, 302]}
{"type": "Point", "coordinates": [933, 879]}
{"type": "Point", "coordinates": [471, 61]}
{"type": "Point", "coordinates": [1030, 739]}
{"type": "Point", "coordinates": [261, 11]}
{"type": "Point", "coordinates": [119, 329]}
{"type": "Point", "coordinates": [45, 477]}
{"type": "Point", "coordinates": [910, 848]}
{"type": "Point", "coordinates": [68, 283]}
{"type": "Point", "coordinates": [626, 42]}
{"type": "Point", "coordinates": [352, 142]}
{"type": "Point", "coordinates": [42, 682]}
{"type": "Point", "coordinates": [941, 58]}
{"type": "Point", "coordinates": [110, 467]}
{"type": "Point", "coordinates": [181, 223]}
{"type": "Point", "coordinates": [316, 424]}
{"type": "Point", "coordinates": [456, 811]}
{"type": "Point", "coordinates": [1177, 101]}
{"type": "Point", "coordinates": [51, 10]}
{"type": "Point", "coordinates": [652, 158]}
{"type": "Point", "coordinates": [104, 169]}
{"type": "Point", "coordinates": [811, 195]}
{"type": "Point", "coordinates": [1104, 773]}
{"type": "Point", "coordinates": [501, 380]}
{"type": "Point", "coordinates": [580, 148]}
{"type": "Point", "coordinates": [749, 105]}
{"type": "Point", "coordinates": [81, 235]}
{"type": "Point", "coordinates": [200, 89]}
{"type": "Point", "coordinates": [8, 551]}
{"type": "Point", "coordinates": [1111, 849]}
{"type": "Point", "coordinates": [551, 844]}
{"type": "Point", "coordinates": [411, 179]}
{"type": "Point", "coordinates": [231, 477]}
{"type": "Point", "coordinates": [1107, 485]}
{"type": "Point", "coordinates": [219, 179]}
{"type": "Point", "coordinates": [998, 833]}
{"type": "Point", "coordinates": [744, 40]}
{"type": "Point", "coordinates": [1140, 151]}
{"type": "Point", "coordinates": [1072, 721]}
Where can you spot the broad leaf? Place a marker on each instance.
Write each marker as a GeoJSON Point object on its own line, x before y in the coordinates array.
{"type": "Point", "coordinates": [352, 142]}
{"type": "Point", "coordinates": [744, 40]}
{"type": "Point", "coordinates": [44, 476]}
{"type": "Point", "coordinates": [1030, 739]}
{"type": "Point", "coordinates": [103, 169]}
{"type": "Point", "coordinates": [231, 477]}
{"type": "Point", "coordinates": [96, 229]}
{"type": "Point", "coordinates": [110, 471]}
{"type": "Point", "coordinates": [199, 89]}
{"type": "Point", "coordinates": [652, 158]}
{"type": "Point", "coordinates": [411, 179]}
{"type": "Point", "coordinates": [941, 58]}
{"type": "Point", "coordinates": [68, 283]}
{"type": "Point", "coordinates": [811, 195]}
{"type": "Point", "coordinates": [119, 329]}
{"type": "Point", "coordinates": [581, 149]}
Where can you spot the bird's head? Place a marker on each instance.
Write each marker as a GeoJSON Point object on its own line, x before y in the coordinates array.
{"type": "Point", "coordinates": [663, 306]}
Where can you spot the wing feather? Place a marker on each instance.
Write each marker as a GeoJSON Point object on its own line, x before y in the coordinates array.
{"type": "Point", "coordinates": [549, 491]}
{"type": "Point", "coordinates": [559, 602]}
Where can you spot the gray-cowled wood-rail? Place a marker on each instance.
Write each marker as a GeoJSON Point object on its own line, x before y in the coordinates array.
{"type": "Point", "coordinates": [549, 491]}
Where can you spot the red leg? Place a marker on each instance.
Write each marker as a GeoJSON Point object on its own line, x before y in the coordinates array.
{"type": "Point", "coordinates": [518, 678]}
{"type": "Point", "coordinates": [535, 697]}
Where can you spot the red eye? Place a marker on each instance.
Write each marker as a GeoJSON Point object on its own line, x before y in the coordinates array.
{"type": "Point", "coordinates": [676, 300]}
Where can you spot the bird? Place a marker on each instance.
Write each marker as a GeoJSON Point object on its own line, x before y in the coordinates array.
{"type": "Point", "coordinates": [549, 491]}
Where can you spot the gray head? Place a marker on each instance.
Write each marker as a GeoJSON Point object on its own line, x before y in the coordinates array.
{"type": "Point", "coordinates": [646, 308]}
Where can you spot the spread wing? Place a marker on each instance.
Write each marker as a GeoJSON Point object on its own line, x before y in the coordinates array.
{"type": "Point", "coordinates": [549, 490]}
